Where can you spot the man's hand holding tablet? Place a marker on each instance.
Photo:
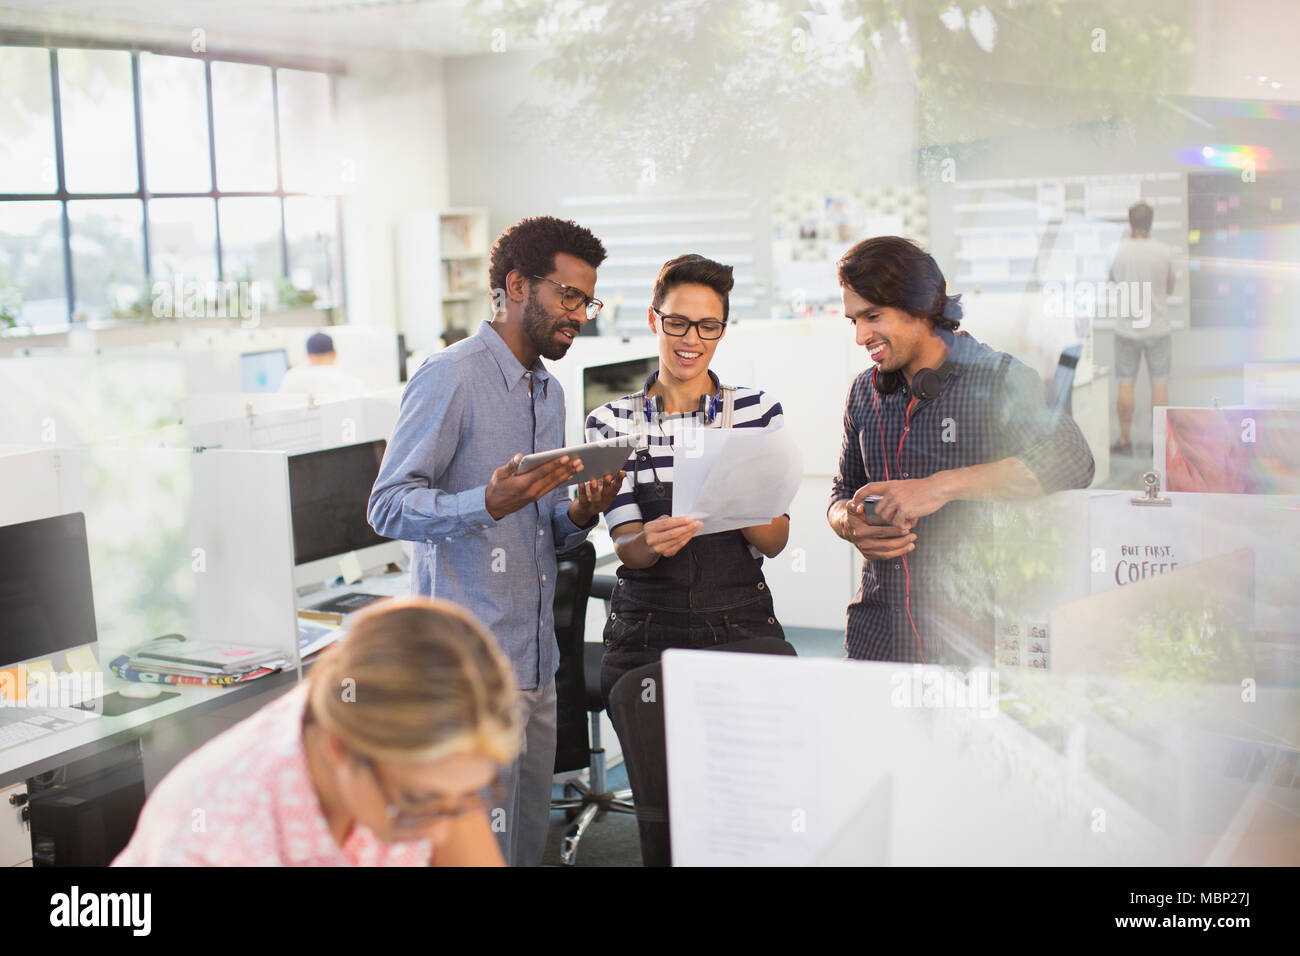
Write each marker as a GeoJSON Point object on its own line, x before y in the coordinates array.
{"type": "Point", "coordinates": [516, 484]}
{"type": "Point", "coordinates": [508, 491]}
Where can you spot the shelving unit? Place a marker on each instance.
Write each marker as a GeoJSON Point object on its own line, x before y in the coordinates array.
{"type": "Point", "coordinates": [442, 275]}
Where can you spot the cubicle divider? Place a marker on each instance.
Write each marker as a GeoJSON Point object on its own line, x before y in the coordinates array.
{"type": "Point", "coordinates": [291, 423]}
{"type": "Point", "coordinates": [180, 542]}
{"type": "Point", "coordinates": [1054, 555]}
{"type": "Point", "coordinates": [74, 399]}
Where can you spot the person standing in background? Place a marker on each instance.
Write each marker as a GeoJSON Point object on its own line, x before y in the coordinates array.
{"type": "Point", "coordinates": [1144, 331]}
{"type": "Point", "coordinates": [485, 536]}
{"type": "Point", "coordinates": [321, 376]}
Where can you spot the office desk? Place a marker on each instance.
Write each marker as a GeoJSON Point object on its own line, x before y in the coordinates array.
{"type": "Point", "coordinates": [196, 709]}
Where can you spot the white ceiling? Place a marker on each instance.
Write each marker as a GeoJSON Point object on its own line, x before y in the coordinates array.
{"type": "Point", "coordinates": [319, 27]}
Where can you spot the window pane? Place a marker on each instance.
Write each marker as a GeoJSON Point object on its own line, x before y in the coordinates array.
{"type": "Point", "coordinates": [98, 121]}
{"type": "Point", "coordinates": [31, 263]}
{"type": "Point", "coordinates": [307, 140]}
{"type": "Point", "coordinates": [175, 120]}
{"type": "Point", "coordinates": [107, 257]}
{"type": "Point", "coordinates": [250, 245]}
{"type": "Point", "coordinates": [183, 240]}
{"type": "Point", "coordinates": [245, 126]}
{"type": "Point", "coordinates": [26, 122]}
{"type": "Point", "coordinates": [311, 226]}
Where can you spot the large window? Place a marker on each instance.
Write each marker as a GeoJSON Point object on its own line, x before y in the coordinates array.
{"type": "Point", "coordinates": [123, 170]}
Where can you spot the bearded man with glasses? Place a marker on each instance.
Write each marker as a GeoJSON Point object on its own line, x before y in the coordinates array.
{"type": "Point", "coordinates": [485, 536]}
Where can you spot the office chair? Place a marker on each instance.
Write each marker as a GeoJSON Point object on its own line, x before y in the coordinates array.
{"type": "Point", "coordinates": [578, 705]}
{"type": "Point", "coordinates": [641, 730]}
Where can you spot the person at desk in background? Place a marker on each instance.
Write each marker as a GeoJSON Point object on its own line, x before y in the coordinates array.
{"type": "Point", "coordinates": [320, 376]}
{"type": "Point", "coordinates": [484, 536]}
{"type": "Point", "coordinates": [674, 589]}
{"type": "Point", "coordinates": [1146, 265]}
{"type": "Point", "coordinates": [939, 423]}
{"type": "Point", "coordinates": [387, 754]}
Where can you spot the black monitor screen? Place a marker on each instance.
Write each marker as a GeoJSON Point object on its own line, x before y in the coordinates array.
{"type": "Point", "coordinates": [46, 605]}
{"type": "Point", "coordinates": [604, 383]}
{"type": "Point", "coordinates": [328, 494]}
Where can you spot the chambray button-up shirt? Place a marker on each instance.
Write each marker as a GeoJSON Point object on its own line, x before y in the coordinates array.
{"type": "Point", "coordinates": [466, 412]}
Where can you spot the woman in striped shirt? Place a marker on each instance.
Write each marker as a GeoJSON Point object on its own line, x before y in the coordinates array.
{"type": "Point", "coordinates": [676, 589]}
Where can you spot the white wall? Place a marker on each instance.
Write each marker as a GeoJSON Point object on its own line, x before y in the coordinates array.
{"type": "Point", "coordinates": [393, 137]}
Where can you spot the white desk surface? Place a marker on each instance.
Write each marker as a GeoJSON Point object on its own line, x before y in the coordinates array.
{"type": "Point", "coordinates": [96, 733]}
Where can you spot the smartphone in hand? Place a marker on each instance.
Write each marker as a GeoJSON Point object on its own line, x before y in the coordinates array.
{"type": "Point", "coordinates": [869, 510]}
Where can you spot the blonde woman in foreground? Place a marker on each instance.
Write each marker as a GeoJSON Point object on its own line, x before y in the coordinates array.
{"type": "Point", "coordinates": [386, 755]}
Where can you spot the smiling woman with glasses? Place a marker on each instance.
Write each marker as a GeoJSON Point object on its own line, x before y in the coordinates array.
{"type": "Point", "coordinates": [387, 755]}
{"type": "Point", "coordinates": [677, 588]}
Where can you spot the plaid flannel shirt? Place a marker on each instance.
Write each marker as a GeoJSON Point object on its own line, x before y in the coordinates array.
{"type": "Point", "coordinates": [991, 407]}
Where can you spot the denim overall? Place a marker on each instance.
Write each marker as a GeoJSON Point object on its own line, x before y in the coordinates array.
{"type": "Point", "coordinates": [710, 592]}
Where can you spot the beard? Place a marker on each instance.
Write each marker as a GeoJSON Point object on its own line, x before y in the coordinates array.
{"type": "Point", "coordinates": [543, 329]}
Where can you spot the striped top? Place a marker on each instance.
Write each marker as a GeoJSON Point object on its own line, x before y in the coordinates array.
{"type": "Point", "coordinates": [753, 409]}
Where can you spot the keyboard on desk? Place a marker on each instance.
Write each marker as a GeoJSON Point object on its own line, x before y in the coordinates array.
{"type": "Point", "coordinates": [21, 732]}
{"type": "Point", "coordinates": [29, 727]}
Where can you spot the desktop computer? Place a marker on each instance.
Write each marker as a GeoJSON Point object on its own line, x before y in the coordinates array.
{"type": "Point", "coordinates": [46, 602]}
{"type": "Point", "coordinates": [605, 383]}
{"type": "Point", "coordinates": [328, 495]}
{"type": "Point", "coordinates": [263, 371]}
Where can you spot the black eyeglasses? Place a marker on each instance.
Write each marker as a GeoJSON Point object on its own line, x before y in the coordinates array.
{"type": "Point", "coordinates": [679, 325]}
{"type": "Point", "coordinates": [571, 298]}
{"type": "Point", "coordinates": [407, 816]}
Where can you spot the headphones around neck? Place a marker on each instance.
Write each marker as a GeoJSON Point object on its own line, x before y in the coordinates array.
{"type": "Point", "coordinates": [710, 405]}
{"type": "Point", "coordinates": [926, 384]}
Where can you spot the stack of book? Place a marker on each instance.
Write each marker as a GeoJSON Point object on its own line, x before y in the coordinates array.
{"type": "Point", "coordinates": [174, 660]}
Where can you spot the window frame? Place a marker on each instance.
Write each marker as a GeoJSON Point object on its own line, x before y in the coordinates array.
{"type": "Point", "coordinates": [331, 68]}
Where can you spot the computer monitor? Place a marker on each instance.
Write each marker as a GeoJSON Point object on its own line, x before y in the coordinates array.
{"type": "Point", "coordinates": [604, 383]}
{"type": "Point", "coordinates": [328, 494]}
{"type": "Point", "coordinates": [263, 371]}
{"type": "Point", "coordinates": [46, 604]}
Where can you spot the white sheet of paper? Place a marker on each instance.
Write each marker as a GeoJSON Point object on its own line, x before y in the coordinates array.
{"type": "Point", "coordinates": [732, 478]}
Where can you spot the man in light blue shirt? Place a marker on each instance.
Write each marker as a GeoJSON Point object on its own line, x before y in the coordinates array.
{"type": "Point", "coordinates": [484, 536]}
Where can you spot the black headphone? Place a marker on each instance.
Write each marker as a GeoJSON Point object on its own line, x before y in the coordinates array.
{"type": "Point", "coordinates": [926, 383]}
{"type": "Point", "coordinates": [710, 405]}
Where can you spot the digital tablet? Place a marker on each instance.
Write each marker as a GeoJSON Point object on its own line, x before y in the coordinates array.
{"type": "Point", "coordinates": [599, 458]}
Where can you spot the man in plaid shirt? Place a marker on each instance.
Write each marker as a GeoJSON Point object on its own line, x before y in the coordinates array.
{"type": "Point", "coordinates": [940, 424]}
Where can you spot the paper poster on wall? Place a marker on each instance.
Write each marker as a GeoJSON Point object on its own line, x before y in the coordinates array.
{"type": "Point", "coordinates": [1232, 451]}
{"type": "Point", "coordinates": [1051, 201]}
{"type": "Point", "coordinates": [1130, 543]}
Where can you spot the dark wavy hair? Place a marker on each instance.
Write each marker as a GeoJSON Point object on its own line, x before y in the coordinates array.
{"type": "Point", "coordinates": [693, 269]}
{"type": "Point", "coordinates": [530, 246]}
{"type": "Point", "coordinates": [896, 272]}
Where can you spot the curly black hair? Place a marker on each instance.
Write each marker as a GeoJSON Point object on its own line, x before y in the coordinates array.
{"type": "Point", "coordinates": [530, 246]}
